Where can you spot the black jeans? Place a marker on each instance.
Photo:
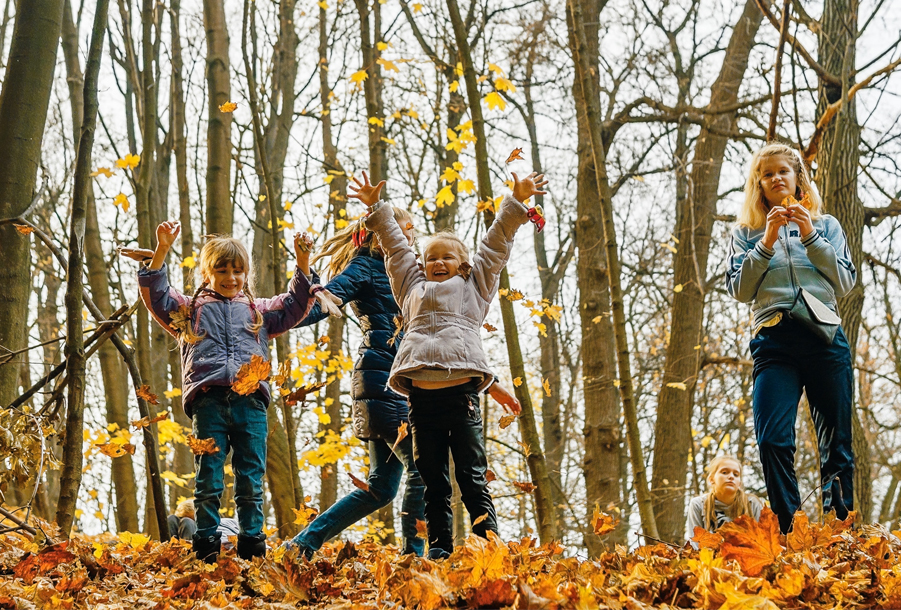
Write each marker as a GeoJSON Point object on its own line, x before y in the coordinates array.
{"type": "Point", "coordinates": [787, 360]}
{"type": "Point", "coordinates": [442, 421]}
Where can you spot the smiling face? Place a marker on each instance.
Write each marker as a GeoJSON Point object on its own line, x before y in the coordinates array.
{"type": "Point", "coordinates": [726, 480]}
{"type": "Point", "coordinates": [228, 279]}
{"type": "Point", "coordinates": [778, 179]}
{"type": "Point", "coordinates": [442, 260]}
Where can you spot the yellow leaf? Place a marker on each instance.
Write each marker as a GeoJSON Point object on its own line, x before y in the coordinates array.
{"type": "Point", "coordinates": [170, 394]}
{"type": "Point", "coordinates": [458, 69]}
{"type": "Point", "coordinates": [340, 223]}
{"type": "Point", "coordinates": [705, 442]}
{"type": "Point", "coordinates": [517, 382]}
{"type": "Point", "coordinates": [288, 206]}
{"type": "Point", "coordinates": [495, 101]}
{"type": "Point", "coordinates": [102, 171]}
{"type": "Point", "coordinates": [677, 385]}
{"type": "Point", "coordinates": [358, 77]}
{"type": "Point", "coordinates": [228, 107]}
{"type": "Point", "coordinates": [454, 86]}
{"type": "Point", "coordinates": [547, 387]}
{"type": "Point", "coordinates": [128, 162]}
{"type": "Point", "coordinates": [323, 5]}
{"type": "Point", "coordinates": [412, 114]}
{"type": "Point", "coordinates": [677, 288]}
{"type": "Point", "coordinates": [669, 247]}
{"type": "Point", "coordinates": [466, 186]}
{"type": "Point", "coordinates": [135, 541]}
{"type": "Point", "coordinates": [502, 84]}
{"type": "Point", "coordinates": [417, 8]}
{"type": "Point", "coordinates": [725, 440]}
{"type": "Point", "coordinates": [122, 200]}
{"type": "Point", "coordinates": [494, 68]}
{"type": "Point", "coordinates": [387, 64]}
{"type": "Point", "coordinates": [374, 120]}
{"type": "Point", "coordinates": [449, 175]}
{"type": "Point", "coordinates": [249, 376]}
{"type": "Point", "coordinates": [328, 179]}
{"type": "Point", "coordinates": [444, 197]}
{"type": "Point", "coordinates": [388, 141]}
{"type": "Point", "coordinates": [381, 46]}
{"type": "Point", "coordinates": [189, 262]}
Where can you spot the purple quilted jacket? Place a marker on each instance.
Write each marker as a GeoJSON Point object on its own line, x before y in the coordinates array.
{"type": "Point", "coordinates": [227, 343]}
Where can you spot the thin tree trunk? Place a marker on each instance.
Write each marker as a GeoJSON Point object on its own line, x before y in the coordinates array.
{"type": "Point", "coordinates": [589, 93]}
{"type": "Point", "coordinates": [24, 101]}
{"type": "Point", "coordinates": [73, 457]}
{"type": "Point", "coordinates": [370, 34]}
{"type": "Point", "coordinates": [219, 207]}
{"type": "Point", "coordinates": [694, 226]}
{"type": "Point", "coordinates": [527, 424]}
{"type": "Point", "coordinates": [837, 167]}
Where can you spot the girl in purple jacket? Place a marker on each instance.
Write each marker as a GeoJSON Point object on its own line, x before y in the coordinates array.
{"type": "Point", "coordinates": [218, 330]}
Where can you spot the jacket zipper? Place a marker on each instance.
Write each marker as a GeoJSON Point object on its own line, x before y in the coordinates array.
{"type": "Point", "coordinates": [788, 251]}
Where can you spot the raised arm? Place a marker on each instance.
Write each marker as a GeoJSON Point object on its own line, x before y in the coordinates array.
{"type": "Point", "coordinates": [346, 286]}
{"type": "Point", "coordinates": [159, 297]}
{"type": "Point", "coordinates": [282, 312]}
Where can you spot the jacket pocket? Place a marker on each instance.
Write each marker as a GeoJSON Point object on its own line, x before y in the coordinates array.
{"type": "Point", "coordinates": [775, 287]}
{"type": "Point", "coordinates": [818, 285]}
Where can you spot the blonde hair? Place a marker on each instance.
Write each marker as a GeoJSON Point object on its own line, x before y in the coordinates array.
{"type": "Point", "coordinates": [185, 508]}
{"type": "Point", "coordinates": [340, 247]}
{"type": "Point", "coordinates": [741, 505]}
{"type": "Point", "coordinates": [447, 237]}
{"type": "Point", "coordinates": [754, 209]}
{"type": "Point", "coordinates": [218, 251]}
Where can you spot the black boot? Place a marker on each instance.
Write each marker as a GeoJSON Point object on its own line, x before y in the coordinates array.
{"type": "Point", "coordinates": [207, 547]}
{"type": "Point", "coordinates": [251, 546]}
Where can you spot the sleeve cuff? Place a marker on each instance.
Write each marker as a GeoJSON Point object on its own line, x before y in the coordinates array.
{"type": "Point", "coordinates": [765, 252]}
{"type": "Point", "coordinates": [810, 239]}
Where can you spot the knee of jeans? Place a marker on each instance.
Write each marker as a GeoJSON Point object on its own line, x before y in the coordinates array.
{"type": "Point", "coordinates": [383, 490]}
{"type": "Point", "coordinates": [775, 444]}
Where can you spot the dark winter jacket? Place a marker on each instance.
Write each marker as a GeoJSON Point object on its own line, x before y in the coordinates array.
{"type": "Point", "coordinates": [227, 343]}
{"type": "Point", "coordinates": [377, 411]}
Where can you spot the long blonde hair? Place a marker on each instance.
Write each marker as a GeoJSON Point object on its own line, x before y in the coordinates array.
{"type": "Point", "coordinates": [754, 210]}
{"type": "Point", "coordinates": [741, 505]}
{"type": "Point", "coordinates": [218, 251]}
{"type": "Point", "coordinates": [340, 247]}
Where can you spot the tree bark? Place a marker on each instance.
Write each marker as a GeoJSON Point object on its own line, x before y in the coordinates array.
{"type": "Point", "coordinates": [694, 226]}
{"type": "Point", "coordinates": [24, 101]}
{"type": "Point", "coordinates": [370, 35]}
{"type": "Point", "coordinates": [73, 457]}
{"type": "Point", "coordinates": [219, 206]}
{"type": "Point", "coordinates": [836, 175]}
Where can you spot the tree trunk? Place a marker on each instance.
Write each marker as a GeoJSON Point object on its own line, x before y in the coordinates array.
{"type": "Point", "coordinates": [694, 225]}
{"type": "Point", "coordinates": [23, 114]}
{"type": "Point", "coordinates": [527, 424]}
{"type": "Point", "coordinates": [73, 457]}
{"type": "Point", "coordinates": [370, 35]}
{"type": "Point", "coordinates": [836, 175]}
{"type": "Point", "coordinates": [219, 207]}
{"type": "Point", "coordinates": [589, 92]}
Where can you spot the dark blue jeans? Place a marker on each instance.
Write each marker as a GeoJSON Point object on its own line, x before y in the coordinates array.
{"type": "Point", "coordinates": [385, 470]}
{"type": "Point", "coordinates": [787, 360]}
{"type": "Point", "coordinates": [446, 422]}
{"type": "Point", "coordinates": [238, 424]}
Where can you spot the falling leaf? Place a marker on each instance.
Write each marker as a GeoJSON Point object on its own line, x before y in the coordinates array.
{"type": "Point", "coordinates": [304, 514]}
{"type": "Point", "coordinates": [546, 384]}
{"type": "Point", "coordinates": [358, 483]}
{"type": "Point", "coordinates": [524, 486]}
{"type": "Point", "coordinates": [115, 450]}
{"type": "Point", "coordinates": [359, 76]}
{"type": "Point", "coordinates": [146, 421]}
{"type": "Point", "coordinates": [495, 101]}
{"type": "Point", "coordinates": [506, 420]}
{"type": "Point", "coordinates": [755, 545]}
{"type": "Point", "coordinates": [300, 394]}
{"type": "Point", "coordinates": [180, 322]}
{"type": "Point", "coordinates": [122, 200]}
{"type": "Point", "coordinates": [490, 476]}
{"type": "Point", "coordinates": [517, 382]}
{"type": "Point", "coordinates": [387, 64]}
{"type": "Point", "coordinates": [23, 229]}
{"type": "Point", "coordinates": [677, 385]}
{"type": "Point", "coordinates": [144, 392]}
{"type": "Point", "coordinates": [206, 446]}
{"type": "Point", "coordinates": [249, 376]}
{"type": "Point", "coordinates": [489, 327]}
{"type": "Point", "coordinates": [516, 155]}
{"type": "Point", "coordinates": [401, 435]}
{"type": "Point", "coordinates": [602, 523]}
{"type": "Point", "coordinates": [128, 162]}
{"type": "Point", "coordinates": [102, 171]}
{"type": "Point", "coordinates": [417, 7]}
{"type": "Point", "coordinates": [228, 107]}
{"type": "Point", "coordinates": [465, 269]}
{"type": "Point", "coordinates": [189, 262]}
{"type": "Point", "coordinates": [445, 197]}
{"type": "Point", "coordinates": [422, 529]}
{"type": "Point", "coordinates": [479, 519]}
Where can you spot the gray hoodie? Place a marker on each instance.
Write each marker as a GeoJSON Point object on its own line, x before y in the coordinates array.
{"type": "Point", "coordinates": [761, 275]}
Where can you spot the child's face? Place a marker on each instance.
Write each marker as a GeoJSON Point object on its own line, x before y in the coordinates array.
{"type": "Point", "coordinates": [778, 179]}
{"type": "Point", "coordinates": [228, 280]}
{"type": "Point", "coordinates": [727, 479]}
{"type": "Point", "coordinates": [442, 261]}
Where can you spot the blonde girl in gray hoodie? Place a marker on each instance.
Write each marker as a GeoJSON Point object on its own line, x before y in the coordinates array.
{"type": "Point", "coordinates": [441, 365]}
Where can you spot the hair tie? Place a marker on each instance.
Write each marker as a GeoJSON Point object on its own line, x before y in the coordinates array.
{"type": "Point", "coordinates": [358, 238]}
{"type": "Point", "coordinates": [536, 217]}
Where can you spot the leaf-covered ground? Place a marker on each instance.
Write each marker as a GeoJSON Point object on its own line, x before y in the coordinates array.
{"type": "Point", "coordinates": [746, 565]}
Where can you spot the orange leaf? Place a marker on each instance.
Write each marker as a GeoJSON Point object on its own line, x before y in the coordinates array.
{"type": "Point", "coordinates": [707, 540]}
{"type": "Point", "coordinates": [602, 523]}
{"type": "Point", "coordinates": [422, 529]}
{"type": "Point", "coordinates": [754, 545]}
{"type": "Point", "coordinates": [206, 446]}
{"type": "Point", "coordinates": [228, 107]}
{"type": "Point", "coordinates": [479, 519]}
{"type": "Point", "coordinates": [180, 322]}
{"type": "Point", "coordinates": [490, 476]}
{"type": "Point", "coordinates": [45, 561]}
{"type": "Point", "coordinates": [23, 229]}
{"type": "Point", "coordinates": [516, 155]}
{"type": "Point", "coordinates": [249, 376]}
{"type": "Point", "coordinates": [401, 435]}
{"type": "Point", "coordinates": [524, 486]}
{"type": "Point", "coordinates": [489, 327]}
{"type": "Point", "coordinates": [146, 421]}
{"type": "Point", "coordinates": [115, 450]}
{"type": "Point", "coordinates": [358, 483]}
{"type": "Point", "coordinates": [506, 420]}
{"type": "Point", "coordinates": [144, 392]}
{"type": "Point", "coordinates": [300, 394]}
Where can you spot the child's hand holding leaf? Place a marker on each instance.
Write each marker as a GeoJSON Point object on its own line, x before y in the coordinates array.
{"type": "Point", "coordinates": [303, 245]}
{"type": "Point", "coordinates": [365, 192]}
{"type": "Point", "coordinates": [528, 186]}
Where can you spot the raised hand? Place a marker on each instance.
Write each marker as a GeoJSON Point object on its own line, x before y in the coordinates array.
{"type": "Point", "coordinates": [800, 215]}
{"type": "Point", "coordinates": [365, 192]}
{"type": "Point", "coordinates": [303, 245]}
{"type": "Point", "coordinates": [777, 217]}
{"type": "Point", "coordinates": [528, 186]}
{"type": "Point", "coordinates": [166, 233]}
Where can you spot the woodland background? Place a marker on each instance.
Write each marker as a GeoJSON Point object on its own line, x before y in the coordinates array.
{"type": "Point", "coordinates": [613, 324]}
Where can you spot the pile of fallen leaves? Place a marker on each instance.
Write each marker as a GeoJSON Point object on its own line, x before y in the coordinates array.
{"type": "Point", "coordinates": [745, 565]}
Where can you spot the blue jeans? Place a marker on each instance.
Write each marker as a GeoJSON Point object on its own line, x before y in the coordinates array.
{"type": "Point", "coordinates": [385, 470]}
{"type": "Point", "coordinates": [237, 423]}
{"type": "Point", "coordinates": [787, 360]}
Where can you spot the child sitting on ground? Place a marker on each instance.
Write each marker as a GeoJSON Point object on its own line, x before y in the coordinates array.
{"type": "Point", "coordinates": [727, 499]}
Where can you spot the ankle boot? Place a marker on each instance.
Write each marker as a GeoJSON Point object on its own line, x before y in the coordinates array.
{"type": "Point", "coordinates": [207, 547]}
{"type": "Point", "coordinates": [251, 546]}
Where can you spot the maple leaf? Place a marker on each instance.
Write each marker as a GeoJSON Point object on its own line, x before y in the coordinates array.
{"type": "Point", "coordinates": [401, 435]}
{"type": "Point", "coordinates": [524, 486]}
{"type": "Point", "coordinates": [301, 393]}
{"type": "Point", "coordinates": [707, 540]}
{"type": "Point", "coordinates": [47, 560]}
{"type": "Point", "coordinates": [444, 197]}
{"type": "Point", "coordinates": [417, 7]}
{"type": "Point", "coordinates": [489, 327]}
{"type": "Point", "coordinates": [515, 155]}
{"type": "Point", "coordinates": [502, 84]}
{"type": "Point", "coordinates": [144, 392]}
{"type": "Point", "coordinates": [23, 229]}
{"type": "Point", "coordinates": [170, 394]}
{"type": "Point", "coordinates": [180, 322]}
{"type": "Point", "coordinates": [128, 162]}
{"type": "Point", "coordinates": [228, 107]}
{"type": "Point", "coordinates": [490, 476]}
{"type": "Point", "coordinates": [754, 545]}
{"type": "Point", "coordinates": [102, 171]}
{"type": "Point", "coordinates": [206, 446]}
{"type": "Point", "coordinates": [358, 77]}
{"type": "Point", "coordinates": [115, 450]}
{"type": "Point", "coordinates": [506, 420]}
{"type": "Point", "coordinates": [494, 100]}
{"type": "Point", "coordinates": [305, 513]}
{"type": "Point", "coordinates": [517, 382]}
{"type": "Point", "coordinates": [122, 200]}
{"type": "Point", "coordinates": [387, 64]}
{"type": "Point", "coordinates": [249, 376]}
{"type": "Point", "coordinates": [422, 529]}
{"type": "Point", "coordinates": [602, 523]}
{"type": "Point", "coordinates": [146, 421]}
{"type": "Point", "coordinates": [358, 483]}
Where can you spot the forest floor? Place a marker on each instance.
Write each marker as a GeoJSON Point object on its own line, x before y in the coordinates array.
{"type": "Point", "coordinates": [748, 565]}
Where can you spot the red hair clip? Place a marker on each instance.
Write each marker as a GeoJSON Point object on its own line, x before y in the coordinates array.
{"type": "Point", "coordinates": [359, 236]}
{"type": "Point", "coordinates": [536, 216]}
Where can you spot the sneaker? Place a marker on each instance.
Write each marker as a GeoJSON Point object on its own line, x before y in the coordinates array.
{"type": "Point", "coordinates": [251, 546]}
{"type": "Point", "coordinates": [207, 547]}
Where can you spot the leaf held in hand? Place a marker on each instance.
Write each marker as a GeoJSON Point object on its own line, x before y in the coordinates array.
{"type": "Point", "coordinates": [205, 446]}
{"type": "Point", "coordinates": [358, 483]}
{"type": "Point", "coordinates": [144, 392]}
{"type": "Point", "coordinates": [401, 435]}
{"type": "Point", "coordinates": [516, 155]}
{"type": "Point", "coordinates": [249, 376]}
{"type": "Point", "coordinates": [506, 420]}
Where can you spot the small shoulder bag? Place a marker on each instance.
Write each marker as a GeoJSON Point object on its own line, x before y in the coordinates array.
{"type": "Point", "coordinates": [810, 312]}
